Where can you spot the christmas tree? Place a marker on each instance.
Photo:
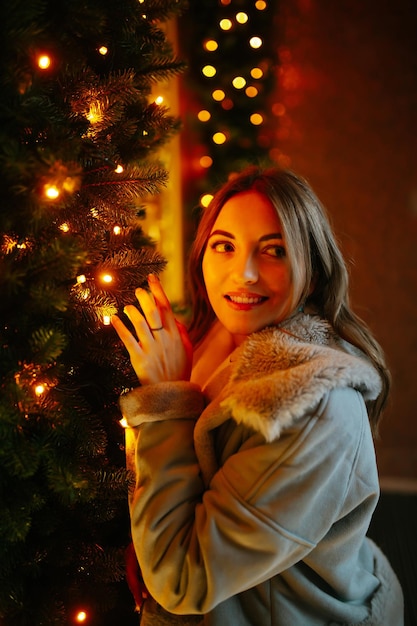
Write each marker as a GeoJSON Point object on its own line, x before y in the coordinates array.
{"type": "Point", "coordinates": [79, 143]}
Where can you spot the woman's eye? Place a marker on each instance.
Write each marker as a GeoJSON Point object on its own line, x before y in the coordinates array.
{"type": "Point", "coordinates": [222, 246]}
{"type": "Point", "coordinates": [275, 251]}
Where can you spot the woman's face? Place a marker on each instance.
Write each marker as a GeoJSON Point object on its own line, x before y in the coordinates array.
{"type": "Point", "coordinates": [245, 266]}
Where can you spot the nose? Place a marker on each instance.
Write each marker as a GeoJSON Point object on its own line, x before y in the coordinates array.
{"type": "Point", "coordinates": [245, 270]}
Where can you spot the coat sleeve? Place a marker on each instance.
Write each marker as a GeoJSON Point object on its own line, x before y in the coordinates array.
{"type": "Point", "coordinates": [265, 509]}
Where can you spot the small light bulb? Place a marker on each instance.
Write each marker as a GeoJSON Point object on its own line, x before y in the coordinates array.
{"type": "Point", "coordinates": [219, 138]}
{"type": "Point", "coordinates": [81, 617]}
{"type": "Point", "coordinates": [51, 191]}
{"type": "Point", "coordinates": [238, 82]}
{"type": "Point", "coordinates": [255, 42]}
{"type": "Point", "coordinates": [218, 95]}
{"type": "Point", "coordinates": [81, 279]}
{"type": "Point", "coordinates": [159, 100]}
{"type": "Point", "coordinates": [107, 278]}
{"type": "Point", "coordinates": [117, 230]}
{"type": "Point", "coordinates": [225, 24]}
{"type": "Point", "coordinates": [242, 17]}
{"type": "Point", "coordinates": [206, 161]}
{"type": "Point", "coordinates": [106, 320]}
{"type": "Point", "coordinates": [64, 227]}
{"type": "Point", "coordinates": [123, 423]}
{"type": "Point", "coordinates": [204, 115]}
{"type": "Point", "coordinates": [209, 71]}
{"type": "Point", "coordinates": [206, 199]}
{"type": "Point", "coordinates": [119, 169]}
{"type": "Point", "coordinates": [44, 61]}
{"type": "Point", "coordinates": [40, 389]}
{"type": "Point", "coordinates": [103, 50]}
{"type": "Point", "coordinates": [256, 119]}
{"type": "Point", "coordinates": [211, 45]}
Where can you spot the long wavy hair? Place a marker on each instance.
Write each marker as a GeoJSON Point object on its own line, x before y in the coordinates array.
{"type": "Point", "coordinates": [319, 272]}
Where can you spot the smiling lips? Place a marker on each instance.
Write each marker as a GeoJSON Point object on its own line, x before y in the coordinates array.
{"type": "Point", "coordinates": [246, 300]}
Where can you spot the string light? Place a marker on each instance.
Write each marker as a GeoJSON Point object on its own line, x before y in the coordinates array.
{"type": "Point", "coordinates": [206, 161]}
{"type": "Point", "coordinates": [238, 82]}
{"type": "Point", "coordinates": [251, 91]}
{"type": "Point", "coordinates": [260, 5]}
{"type": "Point", "coordinates": [256, 72]}
{"type": "Point", "coordinates": [51, 191]}
{"type": "Point", "coordinates": [119, 169]}
{"type": "Point", "coordinates": [209, 71]}
{"type": "Point", "coordinates": [44, 61]}
{"type": "Point", "coordinates": [106, 320]}
{"type": "Point", "coordinates": [204, 115]}
{"type": "Point", "coordinates": [159, 100]}
{"type": "Point", "coordinates": [206, 199]}
{"type": "Point", "coordinates": [117, 230]}
{"type": "Point", "coordinates": [40, 389]}
{"type": "Point", "coordinates": [219, 138]}
{"type": "Point", "coordinates": [225, 24]}
{"type": "Point", "coordinates": [256, 119]}
{"type": "Point", "coordinates": [241, 17]}
{"type": "Point", "coordinates": [81, 279]}
{"type": "Point", "coordinates": [103, 50]}
{"type": "Point", "coordinates": [123, 423]}
{"type": "Point", "coordinates": [218, 95]}
{"type": "Point", "coordinates": [64, 227]}
{"type": "Point", "coordinates": [81, 617]}
{"type": "Point", "coordinates": [107, 278]}
{"type": "Point", "coordinates": [255, 42]}
{"type": "Point", "coordinates": [210, 45]}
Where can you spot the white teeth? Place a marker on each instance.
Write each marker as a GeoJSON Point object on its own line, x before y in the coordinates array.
{"type": "Point", "coordinates": [245, 300]}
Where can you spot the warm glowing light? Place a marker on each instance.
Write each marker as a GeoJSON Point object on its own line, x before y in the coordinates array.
{"type": "Point", "coordinates": [64, 227]}
{"type": "Point", "coordinates": [106, 320]}
{"type": "Point", "coordinates": [219, 138]}
{"type": "Point", "coordinates": [278, 109]}
{"type": "Point", "coordinates": [159, 100]}
{"type": "Point", "coordinates": [209, 71]}
{"type": "Point", "coordinates": [225, 24]}
{"type": "Point", "coordinates": [256, 119]}
{"type": "Point", "coordinates": [51, 191]}
{"type": "Point", "coordinates": [218, 95]}
{"type": "Point", "coordinates": [123, 423]}
{"type": "Point", "coordinates": [211, 45]}
{"type": "Point", "coordinates": [225, 2]}
{"type": "Point", "coordinates": [206, 199]}
{"type": "Point", "coordinates": [204, 115]}
{"type": "Point", "coordinates": [255, 42]}
{"type": "Point", "coordinates": [44, 61]}
{"type": "Point", "coordinates": [40, 389]}
{"type": "Point", "coordinates": [117, 230]}
{"type": "Point", "coordinates": [260, 5]}
{"type": "Point", "coordinates": [95, 113]}
{"type": "Point", "coordinates": [238, 82]}
{"type": "Point", "coordinates": [206, 161]}
{"type": "Point", "coordinates": [81, 279]}
{"type": "Point", "coordinates": [119, 169]}
{"type": "Point", "coordinates": [256, 72]}
{"type": "Point", "coordinates": [81, 617]}
{"type": "Point", "coordinates": [251, 92]}
{"type": "Point", "coordinates": [227, 104]}
{"type": "Point", "coordinates": [241, 17]}
{"type": "Point", "coordinates": [107, 278]}
{"type": "Point", "coordinates": [103, 50]}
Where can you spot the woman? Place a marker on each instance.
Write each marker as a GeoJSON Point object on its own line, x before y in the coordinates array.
{"type": "Point", "coordinates": [256, 477]}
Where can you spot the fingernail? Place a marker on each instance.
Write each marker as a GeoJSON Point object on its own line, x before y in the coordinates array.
{"type": "Point", "coordinates": [152, 278]}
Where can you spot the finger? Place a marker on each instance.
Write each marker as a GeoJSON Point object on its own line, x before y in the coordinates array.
{"type": "Point", "coordinates": [149, 307]}
{"type": "Point", "coordinates": [124, 333]}
{"type": "Point", "coordinates": [162, 302]}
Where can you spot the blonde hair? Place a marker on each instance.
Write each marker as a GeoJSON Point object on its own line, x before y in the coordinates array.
{"type": "Point", "coordinates": [319, 271]}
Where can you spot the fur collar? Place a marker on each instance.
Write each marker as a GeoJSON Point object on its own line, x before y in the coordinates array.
{"type": "Point", "coordinates": [281, 373]}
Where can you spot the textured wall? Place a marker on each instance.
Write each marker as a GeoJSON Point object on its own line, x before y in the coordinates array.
{"type": "Point", "coordinates": [348, 83]}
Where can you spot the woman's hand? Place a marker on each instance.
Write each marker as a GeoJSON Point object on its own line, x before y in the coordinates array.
{"type": "Point", "coordinates": [162, 350]}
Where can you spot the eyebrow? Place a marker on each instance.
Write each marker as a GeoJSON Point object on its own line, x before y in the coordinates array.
{"type": "Point", "coordinates": [224, 233]}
